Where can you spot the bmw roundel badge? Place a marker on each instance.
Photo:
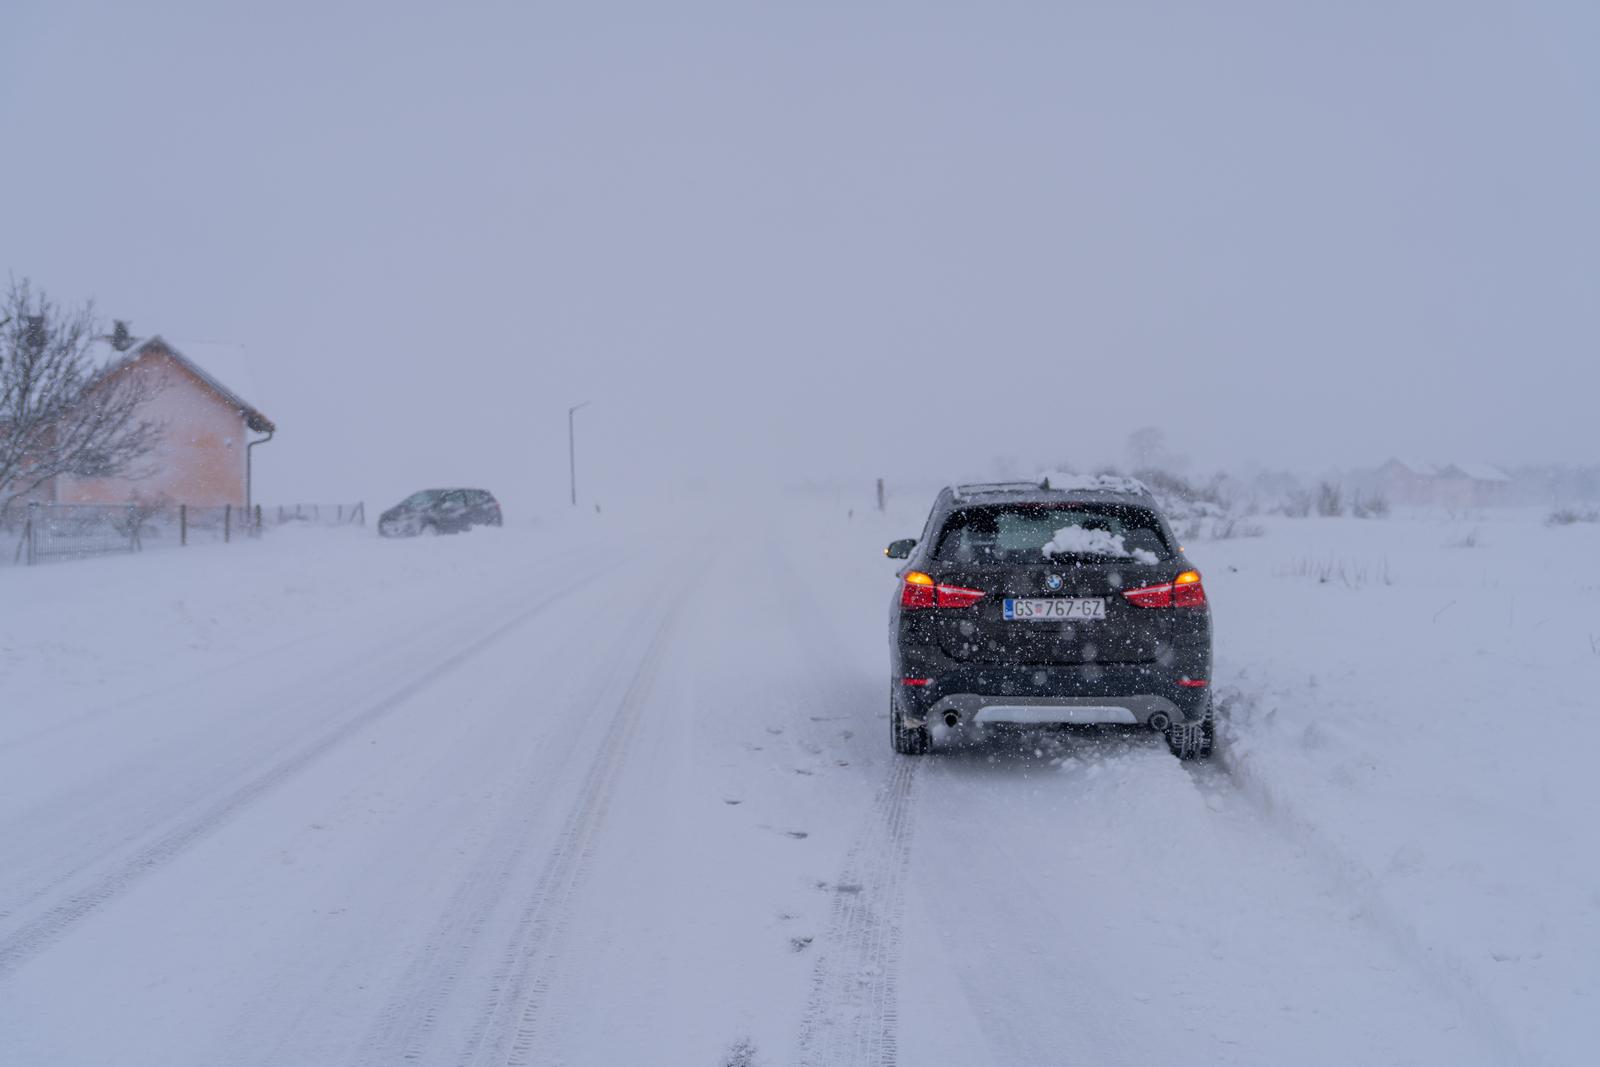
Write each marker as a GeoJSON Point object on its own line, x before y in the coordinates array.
{"type": "Point", "coordinates": [1052, 582]}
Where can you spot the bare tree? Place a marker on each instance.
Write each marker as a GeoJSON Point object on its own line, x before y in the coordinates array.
{"type": "Point", "coordinates": [1330, 499]}
{"type": "Point", "coordinates": [60, 413]}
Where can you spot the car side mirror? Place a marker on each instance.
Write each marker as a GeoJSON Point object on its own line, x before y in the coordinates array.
{"type": "Point", "coordinates": [901, 549]}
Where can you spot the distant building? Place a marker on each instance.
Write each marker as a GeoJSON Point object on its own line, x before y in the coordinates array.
{"type": "Point", "coordinates": [201, 459]}
{"type": "Point", "coordinates": [1453, 485]}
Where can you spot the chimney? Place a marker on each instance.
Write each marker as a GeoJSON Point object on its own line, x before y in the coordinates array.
{"type": "Point", "coordinates": [121, 339]}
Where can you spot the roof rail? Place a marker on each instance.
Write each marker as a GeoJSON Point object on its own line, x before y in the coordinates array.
{"type": "Point", "coordinates": [996, 487]}
{"type": "Point", "coordinates": [976, 488]}
{"type": "Point", "coordinates": [1058, 482]}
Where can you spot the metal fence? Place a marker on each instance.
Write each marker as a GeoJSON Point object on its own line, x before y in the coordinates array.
{"type": "Point", "coordinates": [41, 533]}
{"type": "Point", "coordinates": [312, 514]}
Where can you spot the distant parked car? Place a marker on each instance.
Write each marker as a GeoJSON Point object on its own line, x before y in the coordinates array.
{"type": "Point", "coordinates": [440, 511]}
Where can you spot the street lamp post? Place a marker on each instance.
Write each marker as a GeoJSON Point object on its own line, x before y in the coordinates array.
{"type": "Point", "coordinates": [572, 449]}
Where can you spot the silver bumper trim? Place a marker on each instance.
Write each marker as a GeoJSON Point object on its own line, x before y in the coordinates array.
{"type": "Point", "coordinates": [981, 708]}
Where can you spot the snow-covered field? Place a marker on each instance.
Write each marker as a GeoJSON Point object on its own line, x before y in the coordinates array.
{"type": "Point", "coordinates": [619, 790]}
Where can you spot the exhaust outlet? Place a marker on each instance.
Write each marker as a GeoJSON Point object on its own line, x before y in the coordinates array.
{"type": "Point", "coordinates": [1160, 721]}
{"type": "Point", "coordinates": [952, 718]}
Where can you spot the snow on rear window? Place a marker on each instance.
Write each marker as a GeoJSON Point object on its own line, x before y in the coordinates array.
{"type": "Point", "coordinates": [1024, 534]}
{"type": "Point", "coordinates": [1084, 541]}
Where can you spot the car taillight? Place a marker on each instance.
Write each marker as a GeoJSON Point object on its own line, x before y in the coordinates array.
{"type": "Point", "coordinates": [921, 591]}
{"type": "Point", "coordinates": [917, 592]}
{"type": "Point", "coordinates": [954, 596]}
{"type": "Point", "coordinates": [1184, 591]}
{"type": "Point", "coordinates": [1187, 591]}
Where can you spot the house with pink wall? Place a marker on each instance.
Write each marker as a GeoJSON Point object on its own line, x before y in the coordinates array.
{"type": "Point", "coordinates": [1452, 485]}
{"type": "Point", "coordinates": [203, 457]}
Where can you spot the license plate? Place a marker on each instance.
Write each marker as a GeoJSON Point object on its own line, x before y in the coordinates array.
{"type": "Point", "coordinates": [1055, 609]}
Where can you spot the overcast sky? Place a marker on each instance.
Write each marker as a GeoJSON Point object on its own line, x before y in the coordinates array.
{"type": "Point", "coordinates": [829, 239]}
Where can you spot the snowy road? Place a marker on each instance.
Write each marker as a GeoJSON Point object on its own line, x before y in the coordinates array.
{"type": "Point", "coordinates": [632, 802]}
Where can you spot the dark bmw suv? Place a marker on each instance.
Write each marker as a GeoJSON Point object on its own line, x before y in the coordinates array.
{"type": "Point", "coordinates": [440, 511]}
{"type": "Point", "coordinates": [1033, 603]}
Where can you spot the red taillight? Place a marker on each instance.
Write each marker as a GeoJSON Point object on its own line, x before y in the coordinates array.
{"type": "Point", "coordinates": [915, 681]}
{"type": "Point", "coordinates": [1150, 596]}
{"type": "Point", "coordinates": [1193, 683]}
{"type": "Point", "coordinates": [917, 592]}
{"type": "Point", "coordinates": [1187, 591]}
{"type": "Point", "coordinates": [1184, 591]}
{"type": "Point", "coordinates": [920, 591]}
{"type": "Point", "coordinates": [954, 596]}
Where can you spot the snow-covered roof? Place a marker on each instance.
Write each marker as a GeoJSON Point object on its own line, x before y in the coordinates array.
{"type": "Point", "coordinates": [1480, 472]}
{"type": "Point", "coordinates": [1426, 470]}
{"type": "Point", "coordinates": [1103, 483]}
{"type": "Point", "coordinates": [223, 367]}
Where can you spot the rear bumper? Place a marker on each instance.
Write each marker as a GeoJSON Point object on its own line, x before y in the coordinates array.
{"type": "Point", "coordinates": [1055, 696]}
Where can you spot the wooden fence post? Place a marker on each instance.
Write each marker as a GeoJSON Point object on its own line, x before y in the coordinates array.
{"type": "Point", "coordinates": [183, 524]}
{"type": "Point", "coordinates": [258, 520]}
{"type": "Point", "coordinates": [29, 534]}
{"type": "Point", "coordinates": [133, 530]}
{"type": "Point", "coordinates": [227, 523]}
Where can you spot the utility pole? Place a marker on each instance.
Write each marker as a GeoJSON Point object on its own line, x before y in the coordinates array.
{"type": "Point", "coordinates": [572, 449]}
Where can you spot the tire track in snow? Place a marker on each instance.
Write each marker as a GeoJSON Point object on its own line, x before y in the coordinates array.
{"type": "Point", "coordinates": [1230, 770]}
{"type": "Point", "coordinates": [33, 936]}
{"type": "Point", "coordinates": [408, 1025]}
{"type": "Point", "coordinates": [512, 1024]}
{"type": "Point", "coordinates": [265, 654]}
{"type": "Point", "coordinates": [852, 1014]}
{"type": "Point", "coordinates": [96, 844]}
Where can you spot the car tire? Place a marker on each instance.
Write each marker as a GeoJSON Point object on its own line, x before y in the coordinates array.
{"type": "Point", "coordinates": [1193, 740]}
{"type": "Point", "coordinates": [1208, 734]}
{"type": "Point", "coordinates": [429, 530]}
{"type": "Point", "coordinates": [908, 740]}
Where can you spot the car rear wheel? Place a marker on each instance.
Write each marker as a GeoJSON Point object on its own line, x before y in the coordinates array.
{"type": "Point", "coordinates": [908, 740]}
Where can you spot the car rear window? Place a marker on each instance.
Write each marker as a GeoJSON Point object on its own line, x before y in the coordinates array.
{"type": "Point", "coordinates": [1040, 533]}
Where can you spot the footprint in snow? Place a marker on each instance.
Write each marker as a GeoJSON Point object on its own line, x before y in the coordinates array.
{"type": "Point", "coordinates": [799, 944]}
